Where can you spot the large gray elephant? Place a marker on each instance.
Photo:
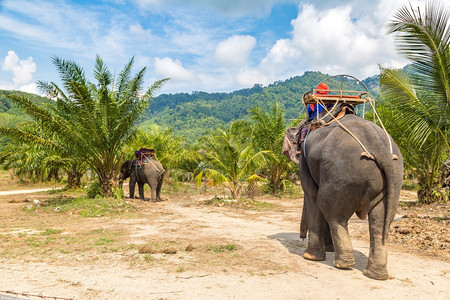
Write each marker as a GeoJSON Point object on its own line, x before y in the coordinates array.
{"type": "Point", "coordinates": [150, 172]}
{"type": "Point", "coordinates": [339, 178]}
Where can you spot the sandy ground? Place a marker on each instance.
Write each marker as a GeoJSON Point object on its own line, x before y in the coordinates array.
{"type": "Point", "coordinates": [267, 263]}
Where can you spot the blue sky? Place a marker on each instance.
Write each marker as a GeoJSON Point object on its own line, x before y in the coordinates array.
{"type": "Point", "coordinates": [202, 45]}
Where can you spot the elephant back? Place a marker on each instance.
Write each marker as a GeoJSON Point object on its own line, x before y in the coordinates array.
{"type": "Point", "coordinates": [156, 164]}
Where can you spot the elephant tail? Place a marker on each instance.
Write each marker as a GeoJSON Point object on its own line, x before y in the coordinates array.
{"type": "Point", "coordinates": [385, 161]}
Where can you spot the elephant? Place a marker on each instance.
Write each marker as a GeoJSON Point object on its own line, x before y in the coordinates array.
{"type": "Point", "coordinates": [349, 166]}
{"type": "Point", "coordinates": [150, 172]}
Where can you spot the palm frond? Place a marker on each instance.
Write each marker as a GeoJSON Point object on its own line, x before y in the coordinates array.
{"type": "Point", "coordinates": [27, 137]}
{"type": "Point", "coordinates": [424, 38]}
{"type": "Point", "coordinates": [418, 116]}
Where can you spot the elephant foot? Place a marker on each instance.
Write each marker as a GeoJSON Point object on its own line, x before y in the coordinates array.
{"type": "Point", "coordinates": [344, 260]}
{"type": "Point", "coordinates": [379, 273]}
{"type": "Point", "coordinates": [314, 255]}
{"type": "Point", "coordinates": [153, 200]}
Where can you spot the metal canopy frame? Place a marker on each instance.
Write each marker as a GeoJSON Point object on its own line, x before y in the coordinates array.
{"type": "Point", "coordinates": [337, 93]}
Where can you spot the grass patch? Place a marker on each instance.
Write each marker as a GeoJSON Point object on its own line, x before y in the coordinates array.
{"type": "Point", "coordinates": [221, 248]}
{"type": "Point", "coordinates": [83, 206]}
{"type": "Point", "coordinates": [180, 269]}
{"type": "Point", "coordinates": [47, 244]}
{"type": "Point", "coordinates": [172, 187]}
{"type": "Point", "coordinates": [50, 231]}
{"type": "Point", "coordinates": [103, 241]}
{"type": "Point", "coordinates": [240, 203]}
{"type": "Point", "coordinates": [167, 247]}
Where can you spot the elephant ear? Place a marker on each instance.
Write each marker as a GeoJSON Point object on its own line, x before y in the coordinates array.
{"type": "Point", "coordinates": [290, 144]}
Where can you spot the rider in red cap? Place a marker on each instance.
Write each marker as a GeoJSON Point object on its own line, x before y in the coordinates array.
{"type": "Point", "coordinates": [314, 109]}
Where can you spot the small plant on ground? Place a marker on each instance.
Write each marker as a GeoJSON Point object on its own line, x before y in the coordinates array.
{"type": "Point", "coordinates": [221, 248]}
{"type": "Point", "coordinates": [83, 206]}
{"type": "Point", "coordinates": [50, 231]}
{"type": "Point", "coordinates": [240, 203]}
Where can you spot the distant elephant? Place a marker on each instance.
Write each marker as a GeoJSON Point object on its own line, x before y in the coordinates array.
{"type": "Point", "coordinates": [151, 172]}
{"type": "Point", "coordinates": [339, 178]}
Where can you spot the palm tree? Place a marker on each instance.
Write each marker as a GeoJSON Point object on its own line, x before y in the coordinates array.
{"type": "Point", "coordinates": [230, 162]}
{"type": "Point", "coordinates": [420, 97]}
{"type": "Point", "coordinates": [268, 130]}
{"type": "Point", "coordinates": [37, 162]}
{"type": "Point", "coordinates": [40, 164]}
{"type": "Point", "coordinates": [90, 121]}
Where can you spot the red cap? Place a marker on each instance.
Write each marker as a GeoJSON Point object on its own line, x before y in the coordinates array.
{"type": "Point", "coordinates": [322, 89]}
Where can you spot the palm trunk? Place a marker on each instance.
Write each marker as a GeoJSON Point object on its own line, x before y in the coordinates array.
{"type": "Point", "coordinates": [108, 181]}
{"type": "Point", "coordinates": [74, 178]}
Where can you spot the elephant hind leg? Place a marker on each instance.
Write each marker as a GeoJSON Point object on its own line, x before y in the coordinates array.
{"type": "Point", "coordinates": [158, 188]}
{"type": "Point", "coordinates": [377, 263]}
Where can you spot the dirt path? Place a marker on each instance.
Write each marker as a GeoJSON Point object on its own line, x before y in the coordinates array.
{"type": "Point", "coordinates": [30, 191]}
{"type": "Point", "coordinates": [266, 263]}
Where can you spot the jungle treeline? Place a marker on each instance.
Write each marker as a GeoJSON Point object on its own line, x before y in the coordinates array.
{"type": "Point", "coordinates": [233, 139]}
{"type": "Point", "coordinates": [190, 115]}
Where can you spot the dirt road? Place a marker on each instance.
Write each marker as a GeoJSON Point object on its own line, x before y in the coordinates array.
{"type": "Point", "coordinates": [259, 256]}
{"type": "Point", "coordinates": [29, 191]}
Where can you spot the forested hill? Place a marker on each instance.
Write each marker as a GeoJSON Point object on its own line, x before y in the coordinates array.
{"type": "Point", "coordinates": [10, 113]}
{"type": "Point", "coordinates": [191, 114]}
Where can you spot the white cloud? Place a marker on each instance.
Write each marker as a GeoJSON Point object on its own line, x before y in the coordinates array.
{"type": "Point", "coordinates": [248, 77]}
{"type": "Point", "coordinates": [218, 41]}
{"type": "Point", "coordinates": [334, 40]}
{"type": "Point", "coordinates": [22, 73]}
{"type": "Point", "coordinates": [235, 50]}
{"type": "Point", "coordinates": [140, 32]}
{"type": "Point", "coordinates": [167, 67]}
{"type": "Point", "coordinates": [331, 38]}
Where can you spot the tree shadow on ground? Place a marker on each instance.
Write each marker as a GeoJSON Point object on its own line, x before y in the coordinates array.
{"type": "Point", "coordinates": [297, 246]}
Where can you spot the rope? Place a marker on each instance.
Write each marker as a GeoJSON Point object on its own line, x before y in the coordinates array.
{"type": "Point", "coordinates": [382, 126]}
{"type": "Point", "coordinates": [145, 161]}
{"type": "Point", "coordinates": [160, 172]}
{"type": "Point", "coordinates": [366, 152]}
{"type": "Point", "coordinates": [328, 111]}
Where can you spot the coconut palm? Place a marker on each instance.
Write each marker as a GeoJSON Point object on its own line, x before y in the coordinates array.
{"type": "Point", "coordinates": [420, 96]}
{"type": "Point", "coordinates": [230, 162]}
{"type": "Point", "coordinates": [91, 121]}
{"type": "Point", "coordinates": [268, 130]}
{"type": "Point", "coordinates": [37, 162]}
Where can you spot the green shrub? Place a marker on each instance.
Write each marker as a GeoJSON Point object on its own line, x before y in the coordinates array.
{"type": "Point", "coordinates": [94, 190]}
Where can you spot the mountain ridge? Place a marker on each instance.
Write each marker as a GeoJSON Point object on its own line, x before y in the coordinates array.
{"type": "Point", "coordinates": [191, 114]}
